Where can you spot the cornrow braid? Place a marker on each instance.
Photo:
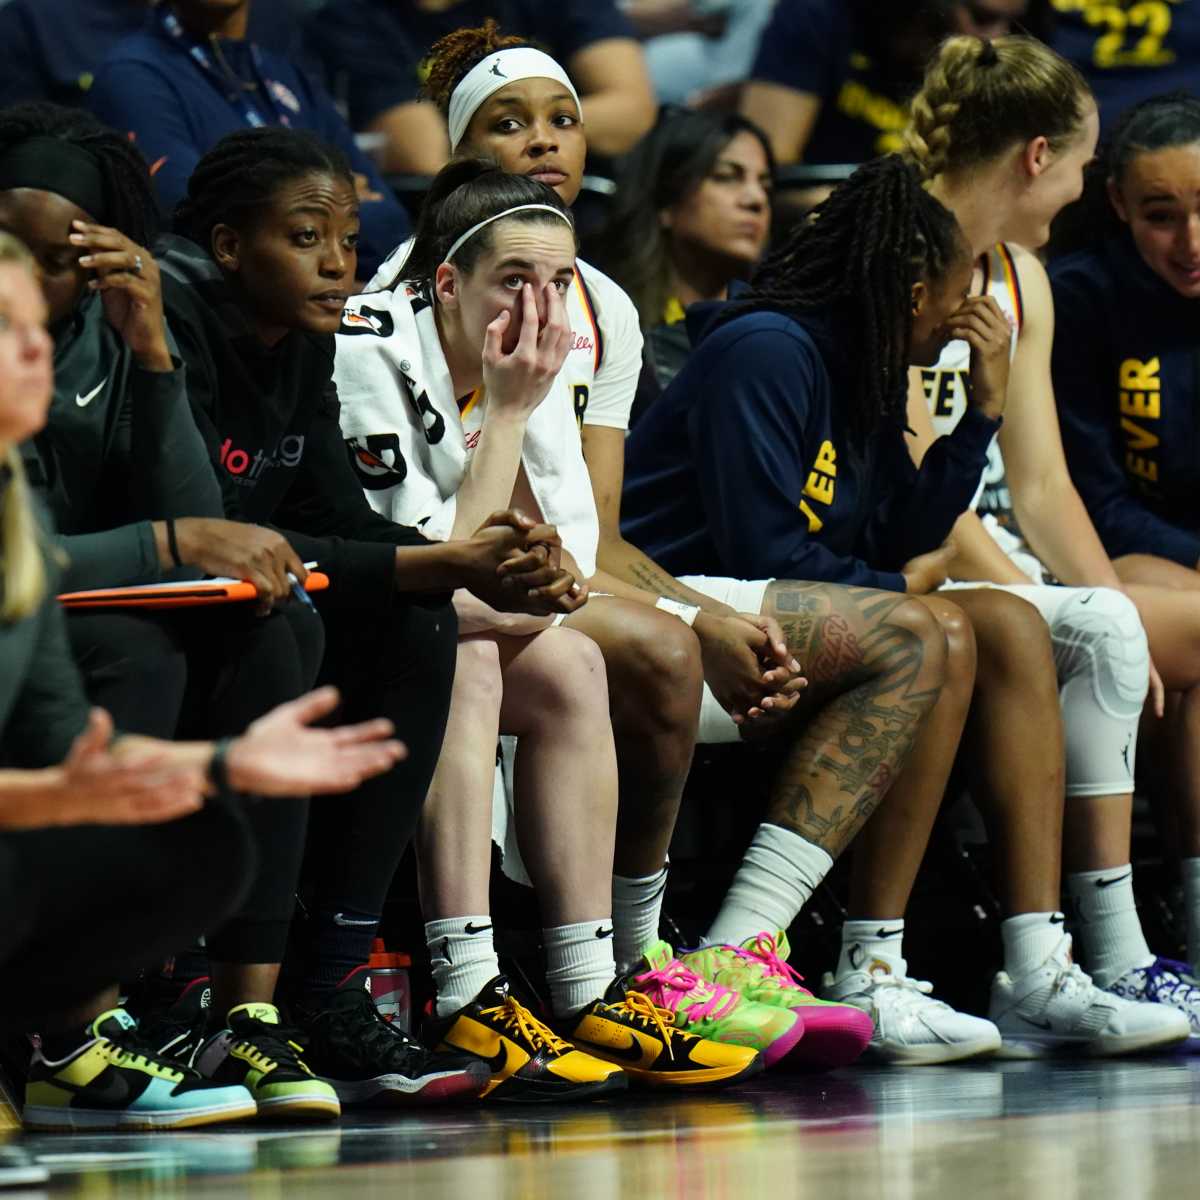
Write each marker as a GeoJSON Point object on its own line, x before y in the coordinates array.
{"type": "Point", "coordinates": [128, 190]}
{"type": "Point", "coordinates": [455, 54]}
{"type": "Point", "coordinates": [241, 173]}
{"type": "Point", "coordinates": [979, 97]}
{"type": "Point", "coordinates": [858, 256]}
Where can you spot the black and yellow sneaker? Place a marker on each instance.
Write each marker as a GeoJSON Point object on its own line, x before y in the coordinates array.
{"type": "Point", "coordinates": [368, 1061]}
{"type": "Point", "coordinates": [117, 1081]}
{"type": "Point", "coordinates": [629, 1029]}
{"type": "Point", "coordinates": [528, 1061]}
{"type": "Point", "coordinates": [263, 1055]}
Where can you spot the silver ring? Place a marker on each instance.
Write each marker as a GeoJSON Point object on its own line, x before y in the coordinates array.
{"type": "Point", "coordinates": [137, 264]}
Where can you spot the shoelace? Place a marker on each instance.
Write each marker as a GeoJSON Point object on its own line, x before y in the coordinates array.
{"type": "Point", "coordinates": [906, 991]}
{"type": "Point", "coordinates": [1174, 977]}
{"type": "Point", "coordinates": [639, 1006]}
{"type": "Point", "coordinates": [272, 1046]}
{"type": "Point", "coordinates": [677, 983]}
{"type": "Point", "coordinates": [765, 951]}
{"type": "Point", "coordinates": [514, 1015]}
{"type": "Point", "coordinates": [379, 1038]}
{"type": "Point", "coordinates": [131, 1051]}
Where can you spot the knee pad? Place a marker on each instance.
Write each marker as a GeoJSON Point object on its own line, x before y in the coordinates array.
{"type": "Point", "coordinates": [1098, 634]}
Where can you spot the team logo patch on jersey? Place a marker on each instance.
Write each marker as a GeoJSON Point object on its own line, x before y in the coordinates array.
{"type": "Point", "coordinates": [366, 320]}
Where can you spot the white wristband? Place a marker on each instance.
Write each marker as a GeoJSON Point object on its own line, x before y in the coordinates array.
{"type": "Point", "coordinates": [687, 613]}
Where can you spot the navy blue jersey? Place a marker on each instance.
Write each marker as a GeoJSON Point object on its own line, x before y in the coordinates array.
{"type": "Point", "coordinates": [744, 468]}
{"type": "Point", "coordinates": [1130, 49]}
{"type": "Point", "coordinates": [374, 50]}
{"type": "Point", "coordinates": [1127, 380]}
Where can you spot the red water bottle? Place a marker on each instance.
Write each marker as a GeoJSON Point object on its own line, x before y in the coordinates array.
{"type": "Point", "coordinates": [387, 975]}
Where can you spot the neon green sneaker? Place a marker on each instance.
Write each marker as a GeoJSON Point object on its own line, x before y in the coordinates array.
{"type": "Point", "coordinates": [265, 1056]}
{"type": "Point", "coordinates": [834, 1034]}
{"type": "Point", "coordinates": [713, 1011]}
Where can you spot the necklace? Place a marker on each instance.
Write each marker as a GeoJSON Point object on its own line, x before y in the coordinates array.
{"type": "Point", "coordinates": [234, 79]}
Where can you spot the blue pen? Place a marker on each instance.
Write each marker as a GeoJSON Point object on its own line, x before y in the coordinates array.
{"type": "Point", "coordinates": [298, 589]}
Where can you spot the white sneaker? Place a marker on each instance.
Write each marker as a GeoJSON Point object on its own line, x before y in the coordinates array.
{"type": "Point", "coordinates": [1058, 1007]}
{"type": "Point", "coordinates": [911, 1027]}
{"type": "Point", "coordinates": [1168, 982]}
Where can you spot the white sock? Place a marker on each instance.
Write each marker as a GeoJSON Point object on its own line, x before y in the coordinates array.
{"type": "Point", "coordinates": [463, 959]}
{"type": "Point", "coordinates": [779, 872]}
{"type": "Point", "coordinates": [865, 942]}
{"type": "Point", "coordinates": [579, 963]}
{"type": "Point", "coordinates": [1191, 898]}
{"type": "Point", "coordinates": [1030, 939]}
{"type": "Point", "coordinates": [1107, 924]}
{"type": "Point", "coordinates": [637, 908]}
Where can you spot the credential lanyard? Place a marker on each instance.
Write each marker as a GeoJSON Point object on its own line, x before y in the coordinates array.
{"type": "Point", "coordinates": [198, 53]}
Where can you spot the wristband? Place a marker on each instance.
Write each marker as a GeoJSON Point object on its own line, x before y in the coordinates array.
{"type": "Point", "coordinates": [687, 613]}
{"type": "Point", "coordinates": [173, 542]}
{"type": "Point", "coordinates": [218, 767]}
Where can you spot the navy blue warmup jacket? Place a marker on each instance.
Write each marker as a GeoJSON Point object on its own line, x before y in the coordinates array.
{"type": "Point", "coordinates": [744, 467]}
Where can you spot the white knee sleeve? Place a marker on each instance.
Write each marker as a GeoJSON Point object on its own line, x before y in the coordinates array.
{"type": "Point", "coordinates": [1103, 664]}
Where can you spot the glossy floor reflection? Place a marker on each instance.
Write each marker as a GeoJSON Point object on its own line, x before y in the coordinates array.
{"type": "Point", "coordinates": [1040, 1132]}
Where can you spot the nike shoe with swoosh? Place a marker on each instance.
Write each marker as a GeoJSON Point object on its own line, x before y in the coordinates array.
{"type": "Point", "coordinates": [1058, 1007]}
{"type": "Point", "coordinates": [712, 1011]}
{"type": "Point", "coordinates": [629, 1029]}
{"type": "Point", "coordinates": [369, 1061]}
{"type": "Point", "coordinates": [528, 1061]}
{"type": "Point", "coordinates": [911, 1027]}
{"type": "Point", "coordinates": [267, 1057]}
{"type": "Point", "coordinates": [116, 1081]}
{"type": "Point", "coordinates": [835, 1034]}
{"type": "Point", "coordinates": [1164, 981]}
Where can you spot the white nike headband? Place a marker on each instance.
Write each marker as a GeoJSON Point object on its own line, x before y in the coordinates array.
{"type": "Point", "coordinates": [508, 212]}
{"type": "Point", "coordinates": [498, 70]}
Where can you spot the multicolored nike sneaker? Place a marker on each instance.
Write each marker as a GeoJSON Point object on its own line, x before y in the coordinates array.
{"type": "Point", "coordinates": [629, 1029]}
{"type": "Point", "coordinates": [529, 1062]}
{"type": "Point", "coordinates": [117, 1081]}
{"type": "Point", "coordinates": [1165, 981]}
{"type": "Point", "coordinates": [713, 1011]}
{"type": "Point", "coordinates": [368, 1061]}
{"type": "Point", "coordinates": [834, 1034]}
{"type": "Point", "coordinates": [265, 1056]}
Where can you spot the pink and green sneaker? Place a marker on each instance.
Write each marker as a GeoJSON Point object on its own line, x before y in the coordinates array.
{"type": "Point", "coordinates": [712, 1011]}
{"type": "Point", "coordinates": [834, 1034]}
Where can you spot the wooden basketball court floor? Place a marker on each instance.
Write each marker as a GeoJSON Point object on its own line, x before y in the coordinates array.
{"type": "Point", "coordinates": [1063, 1131]}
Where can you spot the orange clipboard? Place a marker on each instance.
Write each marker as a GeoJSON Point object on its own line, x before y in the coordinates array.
{"type": "Point", "coordinates": [177, 595]}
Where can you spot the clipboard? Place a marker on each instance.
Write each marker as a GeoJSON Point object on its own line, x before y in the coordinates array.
{"type": "Point", "coordinates": [190, 594]}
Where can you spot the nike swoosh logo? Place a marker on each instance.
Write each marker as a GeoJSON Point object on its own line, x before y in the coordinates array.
{"type": "Point", "coordinates": [601, 932]}
{"type": "Point", "coordinates": [469, 928]}
{"type": "Point", "coordinates": [498, 1062]}
{"type": "Point", "coordinates": [1057, 919]}
{"type": "Point", "coordinates": [633, 1053]}
{"type": "Point", "coordinates": [84, 401]}
{"type": "Point", "coordinates": [888, 933]}
{"type": "Point", "coordinates": [338, 919]}
{"type": "Point", "coordinates": [112, 1091]}
{"type": "Point", "coordinates": [1088, 598]}
{"type": "Point", "coordinates": [1037, 1024]}
{"type": "Point", "coordinates": [1103, 883]}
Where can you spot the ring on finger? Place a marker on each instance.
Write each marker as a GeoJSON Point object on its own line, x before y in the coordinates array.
{"type": "Point", "coordinates": [137, 264]}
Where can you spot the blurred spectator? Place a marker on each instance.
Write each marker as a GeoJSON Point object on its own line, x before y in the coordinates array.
{"type": "Point", "coordinates": [695, 46]}
{"type": "Point", "coordinates": [193, 75]}
{"type": "Point", "coordinates": [692, 216]}
{"type": "Point", "coordinates": [1130, 52]}
{"type": "Point", "coordinates": [50, 49]}
{"type": "Point", "coordinates": [374, 51]}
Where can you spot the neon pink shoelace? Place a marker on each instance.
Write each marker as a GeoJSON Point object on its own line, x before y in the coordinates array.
{"type": "Point", "coordinates": [675, 983]}
{"type": "Point", "coordinates": [766, 951]}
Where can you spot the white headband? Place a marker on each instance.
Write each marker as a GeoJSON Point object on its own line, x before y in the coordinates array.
{"type": "Point", "coordinates": [508, 212]}
{"type": "Point", "coordinates": [498, 70]}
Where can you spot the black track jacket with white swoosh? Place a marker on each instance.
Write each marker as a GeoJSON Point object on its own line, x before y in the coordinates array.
{"type": "Point", "coordinates": [270, 421]}
{"type": "Point", "coordinates": [120, 450]}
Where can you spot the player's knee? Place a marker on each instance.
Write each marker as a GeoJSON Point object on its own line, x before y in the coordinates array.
{"type": "Point", "coordinates": [1098, 633]}
{"type": "Point", "coordinates": [478, 681]}
{"type": "Point", "coordinates": [924, 631]}
{"type": "Point", "coordinates": [1011, 634]}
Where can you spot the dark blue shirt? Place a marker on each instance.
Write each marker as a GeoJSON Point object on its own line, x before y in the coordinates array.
{"type": "Point", "coordinates": [818, 46]}
{"type": "Point", "coordinates": [150, 86]}
{"type": "Point", "coordinates": [1129, 49]}
{"type": "Point", "coordinates": [744, 468]}
{"type": "Point", "coordinates": [373, 50]}
{"type": "Point", "coordinates": [1126, 368]}
{"type": "Point", "coordinates": [50, 49]}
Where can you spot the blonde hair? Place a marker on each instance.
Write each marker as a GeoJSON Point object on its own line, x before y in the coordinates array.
{"type": "Point", "coordinates": [22, 565]}
{"type": "Point", "coordinates": [980, 97]}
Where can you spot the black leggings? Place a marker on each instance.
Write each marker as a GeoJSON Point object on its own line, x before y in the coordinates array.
{"type": "Point", "coordinates": [207, 673]}
{"type": "Point", "coordinates": [398, 664]}
{"type": "Point", "coordinates": [85, 907]}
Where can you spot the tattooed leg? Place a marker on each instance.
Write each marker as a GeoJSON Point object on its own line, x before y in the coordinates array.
{"type": "Point", "coordinates": [888, 852]}
{"type": "Point", "coordinates": [876, 662]}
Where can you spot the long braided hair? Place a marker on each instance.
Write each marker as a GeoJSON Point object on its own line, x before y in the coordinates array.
{"type": "Point", "coordinates": [857, 257]}
{"type": "Point", "coordinates": [241, 173]}
{"type": "Point", "coordinates": [128, 191]}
